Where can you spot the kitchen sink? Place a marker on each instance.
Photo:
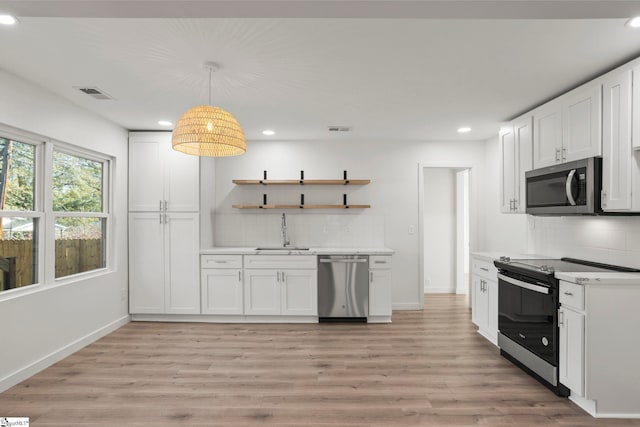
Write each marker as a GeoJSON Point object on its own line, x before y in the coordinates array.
{"type": "Point", "coordinates": [281, 248]}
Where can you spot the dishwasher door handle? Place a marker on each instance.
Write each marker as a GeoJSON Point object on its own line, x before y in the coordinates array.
{"type": "Point", "coordinates": [342, 261]}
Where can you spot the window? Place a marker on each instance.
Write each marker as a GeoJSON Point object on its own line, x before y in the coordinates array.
{"type": "Point", "coordinates": [80, 218]}
{"type": "Point", "coordinates": [20, 220]}
{"type": "Point", "coordinates": [55, 193]}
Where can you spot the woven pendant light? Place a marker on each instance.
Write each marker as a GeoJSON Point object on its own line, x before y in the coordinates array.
{"type": "Point", "coordinates": [208, 131]}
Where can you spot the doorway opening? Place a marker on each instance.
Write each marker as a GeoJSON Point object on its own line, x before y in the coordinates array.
{"type": "Point", "coordinates": [445, 228]}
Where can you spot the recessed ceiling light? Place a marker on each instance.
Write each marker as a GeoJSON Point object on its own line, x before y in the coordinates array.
{"type": "Point", "coordinates": [8, 20]}
{"type": "Point", "coordinates": [464, 129]}
{"type": "Point", "coordinates": [268, 132]}
{"type": "Point", "coordinates": [634, 22]}
{"type": "Point", "coordinates": [165, 123]}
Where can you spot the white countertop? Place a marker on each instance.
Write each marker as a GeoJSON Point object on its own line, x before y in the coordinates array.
{"type": "Point", "coordinates": [293, 251]}
{"type": "Point", "coordinates": [492, 256]}
{"type": "Point", "coordinates": [600, 278]}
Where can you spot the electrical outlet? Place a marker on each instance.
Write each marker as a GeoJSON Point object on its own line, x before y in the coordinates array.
{"type": "Point", "coordinates": [411, 229]}
{"type": "Point", "coordinates": [347, 230]}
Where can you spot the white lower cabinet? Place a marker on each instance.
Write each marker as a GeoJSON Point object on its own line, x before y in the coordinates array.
{"type": "Point", "coordinates": [484, 299]}
{"type": "Point", "coordinates": [599, 351]}
{"type": "Point", "coordinates": [571, 324]}
{"type": "Point", "coordinates": [222, 291]}
{"type": "Point", "coordinates": [163, 263]}
{"type": "Point", "coordinates": [380, 285]}
{"type": "Point", "coordinates": [280, 290]}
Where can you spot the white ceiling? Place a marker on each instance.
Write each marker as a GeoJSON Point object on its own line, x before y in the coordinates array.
{"type": "Point", "coordinates": [299, 66]}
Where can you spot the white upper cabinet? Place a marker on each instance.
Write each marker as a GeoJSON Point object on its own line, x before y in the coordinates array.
{"type": "Point", "coordinates": [581, 122]}
{"type": "Point", "coordinates": [568, 128]}
{"type": "Point", "coordinates": [161, 178]}
{"type": "Point", "coordinates": [547, 134]}
{"type": "Point", "coordinates": [616, 141]}
{"type": "Point", "coordinates": [516, 152]}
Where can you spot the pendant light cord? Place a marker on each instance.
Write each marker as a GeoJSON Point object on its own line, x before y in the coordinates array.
{"type": "Point", "coordinates": [210, 71]}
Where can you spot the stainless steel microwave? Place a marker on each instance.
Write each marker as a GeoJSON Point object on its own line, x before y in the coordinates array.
{"type": "Point", "coordinates": [571, 188]}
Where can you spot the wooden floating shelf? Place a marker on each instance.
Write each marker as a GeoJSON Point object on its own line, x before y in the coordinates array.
{"type": "Point", "coordinates": [301, 206]}
{"type": "Point", "coordinates": [301, 181]}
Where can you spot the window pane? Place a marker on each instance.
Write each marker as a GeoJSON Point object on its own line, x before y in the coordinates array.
{"type": "Point", "coordinates": [17, 166]}
{"type": "Point", "coordinates": [77, 184]}
{"type": "Point", "coordinates": [18, 248]}
{"type": "Point", "coordinates": [79, 245]}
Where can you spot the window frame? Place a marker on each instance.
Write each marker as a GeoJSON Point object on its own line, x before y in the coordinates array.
{"type": "Point", "coordinates": [38, 213]}
{"type": "Point", "coordinates": [105, 214]}
{"type": "Point", "coordinates": [45, 215]}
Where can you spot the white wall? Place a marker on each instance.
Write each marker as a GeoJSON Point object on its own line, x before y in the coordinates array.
{"type": "Point", "coordinates": [393, 194]}
{"type": "Point", "coordinates": [42, 324]}
{"type": "Point", "coordinates": [612, 240]}
{"type": "Point", "coordinates": [440, 230]}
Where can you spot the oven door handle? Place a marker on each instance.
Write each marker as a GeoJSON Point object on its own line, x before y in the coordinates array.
{"type": "Point", "coordinates": [526, 285]}
{"type": "Point", "coordinates": [567, 187]}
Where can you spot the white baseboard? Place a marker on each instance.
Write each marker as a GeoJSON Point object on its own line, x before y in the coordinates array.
{"type": "Point", "coordinates": [406, 306]}
{"type": "Point", "coordinates": [56, 356]}
{"type": "Point", "coordinates": [439, 290]}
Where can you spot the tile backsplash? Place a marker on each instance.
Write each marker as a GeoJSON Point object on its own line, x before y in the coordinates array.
{"type": "Point", "coordinates": [263, 229]}
{"type": "Point", "coordinates": [612, 240]}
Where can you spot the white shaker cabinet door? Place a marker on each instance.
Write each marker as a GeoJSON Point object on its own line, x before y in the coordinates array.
{"type": "Point", "coordinates": [146, 263]}
{"type": "Point", "coordinates": [146, 175]}
{"type": "Point", "coordinates": [299, 292]}
{"type": "Point", "coordinates": [182, 263]}
{"type": "Point", "coordinates": [261, 292]}
{"type": "Point", "coordinates": [616, 143]}
{"type": "Point", "coordinates": [581, 120]}
{"type": "Point", "coordinates": [547, 135]}
{"type": "Point", "coordinates": [571, 325]}
{"type": "Point", "coordinates": [508, 169]}
{"type": "Point", "coordinates": [380, 283]}
{"type": "Point", "coordinates": [182, 175]}
{"type": "Point", "coordinates": [222, 291]}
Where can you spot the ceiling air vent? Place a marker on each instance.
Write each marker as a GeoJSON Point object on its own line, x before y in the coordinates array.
{"type": "Point", "coordinates": [339, 128]}
{"type": "Point", "coordinates": [94, 92]}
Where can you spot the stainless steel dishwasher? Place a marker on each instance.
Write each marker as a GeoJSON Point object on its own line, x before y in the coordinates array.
{"type": "Point", "coordinates": [343, 287]}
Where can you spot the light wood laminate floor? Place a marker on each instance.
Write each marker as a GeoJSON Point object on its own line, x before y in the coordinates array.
{"type": "Point", "coordinates": [428, 368]}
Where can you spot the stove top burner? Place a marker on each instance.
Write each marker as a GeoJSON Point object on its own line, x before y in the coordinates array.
{"type": "Point", "coordinates": [569, 265]}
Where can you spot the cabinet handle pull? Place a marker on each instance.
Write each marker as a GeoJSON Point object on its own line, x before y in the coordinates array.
{"type": "Point", "coordinates": [165, 205]}
{"type": "Point", "coordinates": [371, 277]}
{"type": "Point", "coordinates": [568, 293]}
{"type": "Point", "coordinates": [515, 204]}
{"type": "Point", "coordinates": [239, 276]}
{"type": "Point", "coordinates": [277, 276]}
{"type": "Point", "coordinates": [160, 217]}
{"type": "Point", "coordinates": [160, 207]}
{"type": "Point", "coordinates": [603, 198]}
{"type": "Point", "coordinates": [282, 276]}
{"type": "Point", "coordinates": [557, 154]}
{"type": "Point", "coordinates": [560, 317]}
{"type": "Point", "coordinates": [166, 218]}
{"type": "Point", "coordinates": [564, 153]}
{"type": "Point", "coordinates": [484, 269]}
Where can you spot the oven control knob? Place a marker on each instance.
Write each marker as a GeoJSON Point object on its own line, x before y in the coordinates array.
{"type": "Point", "coordinates": [545, 341]}
{"type": "Point", "coordinates": [544, 268]}
{"type": "Point", "coordinates": [551, 269]}
{"type": "Point", "coordinates": [505, 259]}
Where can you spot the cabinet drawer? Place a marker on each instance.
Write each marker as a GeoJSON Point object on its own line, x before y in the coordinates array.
{"type": "Point", "coordinates": [281, 261]}
{"type": "Point", "coordinates": [221, 261]}
{"type": "Point", "coordinates": [572, 295]}
{"type": "Point", "coordinates": [484, 269]}
{"type": "Point", "coordinates": [379, 262]}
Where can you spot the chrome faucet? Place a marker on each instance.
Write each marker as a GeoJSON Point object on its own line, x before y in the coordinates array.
{"type": "Point", "coordinates": [283, 231]}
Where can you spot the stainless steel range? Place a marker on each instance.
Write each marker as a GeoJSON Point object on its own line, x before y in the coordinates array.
{"type": "Point", "coordinates": [528, 305]}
